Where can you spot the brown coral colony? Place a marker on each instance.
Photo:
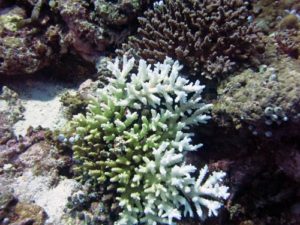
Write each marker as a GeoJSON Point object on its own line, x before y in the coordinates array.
{"type": "Point", "coordinates": [210, 36]}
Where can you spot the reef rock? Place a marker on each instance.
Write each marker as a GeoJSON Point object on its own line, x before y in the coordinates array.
{"type": "Point", "coordinates": [35, 34]}
{"type": "Point", "coordinates": [94, 26]}
{"type": "Point", "coordinates": [25, 49]}
{"type": "Point", "coordinates": [29, 172]}
{"type": "Point", "coordinates": [266, 102]}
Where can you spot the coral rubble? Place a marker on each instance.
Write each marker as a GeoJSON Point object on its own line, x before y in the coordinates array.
{"type": "Point", "coordinates": [94, 26]}
{"type": "Point", "coordinates": [271, 15]}
{"type": "Point", "coordinates": [23, 49]}
{"type": "Point", "coordinates": [211, 36]}
{"type": "Point", "coordinates": [133, 139]}
{"type": "Point", "coordinates": [31, 190]}
{"type": "Point", "coordinates": [38, 34]}
{"type": "Point", "coordinates": [288, 42]}
{"type": "Point", "coordinates": [11, 110]}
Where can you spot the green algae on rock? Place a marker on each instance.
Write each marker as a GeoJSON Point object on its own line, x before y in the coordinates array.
{"type": "Point", "coordinates": [9, 22]}
{"type": "Point", "coordinates": [24, 50]}
{"type": "Point", "coordinates": [38, 34]}
{"type": "Point", "coordinates": [264, 100]}
{"type": "Point", "coordinates": [75, 103]}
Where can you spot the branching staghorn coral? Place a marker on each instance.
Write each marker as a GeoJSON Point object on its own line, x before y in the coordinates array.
{"type": "Point", "coordinates": [133, 139]}
{"type": "Point", "coordinates": [207, 36]}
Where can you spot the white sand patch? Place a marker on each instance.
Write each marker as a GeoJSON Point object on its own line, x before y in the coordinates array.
{"type": "Point", "coordinates": [54, 200]}
{"type": "Point", "coordinates": [29, 187]}
{"type": "Point", "coordinates": [3, 106]}
{"type": "Point", "coordinates": [37, 189]}
{"type": "Point", "coordinates": [41, 101]}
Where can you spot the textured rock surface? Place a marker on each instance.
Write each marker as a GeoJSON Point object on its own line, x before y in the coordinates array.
{"type": "Point", "coordinates": [15, 212]}
{"type": "Point", "coordinates": [96, 25]}
{"type": "Point", "coordinates": [29, 172]}
{"type": "Point", "coordinates": [10, 112]}
{"type": "Point", "coordinates": [288, 42]}
{"type": "Point", "coordinates": [25, 50]}
{"type": "Point", "coordinates": [270, 14]}
{"type": "Point", "coordinates": [27, 213]}
{"type": "Point", "coordinates": [38, 34]}
{"type": "Point", "coordinates": [266, 102]}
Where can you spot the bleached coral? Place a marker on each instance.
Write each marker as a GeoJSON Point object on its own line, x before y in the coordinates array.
{"type": "Point", "coordinates": [135, 135]}
{"type": "Point", "coordinates": [168, 186]}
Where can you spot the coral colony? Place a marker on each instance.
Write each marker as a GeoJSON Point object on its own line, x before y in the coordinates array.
{"type": "Point", "coordinates": [207, 36]}
{"type": "Point", "coordinates": [133, 139]}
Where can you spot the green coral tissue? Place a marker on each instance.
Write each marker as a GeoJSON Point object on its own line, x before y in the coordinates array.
{"type": "Point", "coordinates": [134, 137]}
